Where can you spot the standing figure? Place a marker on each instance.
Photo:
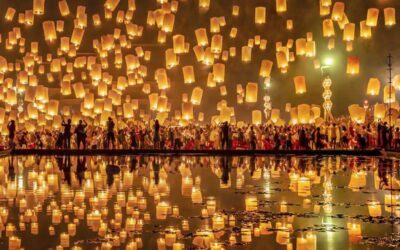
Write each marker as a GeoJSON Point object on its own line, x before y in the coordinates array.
{"type": "Point", "coordinates": [67, 133]}
{"type": "Point", "coordinates": [81, 134]}
{"type": "Point", "coordinates": [110, 132]}
{"type": "Point", "coordinates": [11, 133]}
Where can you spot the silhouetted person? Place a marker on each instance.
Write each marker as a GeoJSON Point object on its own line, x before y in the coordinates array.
{"type": "Point", "coordinates": [252, 137]}
{"type": "Point", "coordinates": [225, 135]}
{"type": "Point", "coordinates": [156, 136]}
{"type": "Point", "coordinates": [67, 133]}
{"type": "Point", "coordinates": [11, 133]}
{"type": "Point", "coordinates": [110, 132]}
{"type": "Point", "coordinates": [81, 134]}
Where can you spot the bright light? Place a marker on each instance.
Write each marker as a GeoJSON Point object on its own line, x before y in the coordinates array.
{"type": "Point", "coordinates": [328, 61]}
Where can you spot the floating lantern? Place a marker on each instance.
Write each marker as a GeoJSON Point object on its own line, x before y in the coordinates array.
{"type": "Point", "coordinates": [379, 111]}
{"type": "Point", "coordinates": [49, 30]}
{"type": "Point", "coordinates": [188, 74]}
{"type": "Point", "coordinates": [265, 68]}
{"type": "Point", "coordinates": [197, 95]}
{"type": "Point", "coordinates": [372, 17]}
{"type": "Point", "coordinates": [327, 28]}
{"type": "Point", "coordinates": [357, 113]}
{"type": "Point", "coordinates": [374, 86]}
{"type": "Point", "coordinates": [390, 16]}
{"type": "Point", "coordinates": [201, 37]}
{"type": "Point", "coordinates": [349, 31]}
{"type": "Point", "coordinates": [219, 72]}
{"type": "Point", "coordinates": [365, 30]}
{"type": "Point", "coordinates": [300, 84]}
{"type": "Point", "coordinates": [353, 65]}
{"type": "Point", "coordinates": [260, 15]}
{"type": "Point", "coordinates": [216, 43]}
{"type": "Point", "coordinates": [38, 7]}
{"type": "Point", "coordinates": [338, 11]}
{"type": "Point", "coordinates": [256, 117]}
{"type": "Point", "coordinates": [64, 8]}
{"type": "Point", "coordinates": [304, 111]}
{"type": "Point", "coordinates": [281, 6]}
{"type": "Point", "coordinates": [246, 54]}
{"type": "Point", "coordinates": [389, 94]}
{"type": "Point", "coordinates": [187, 111]}
{"type": "Point", "coordinates": [251, 92]}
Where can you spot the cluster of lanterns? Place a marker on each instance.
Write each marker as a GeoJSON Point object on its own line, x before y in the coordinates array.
{"type": "Point", "coordinates": [121, 207]}
{"type": "Point", "coordinates": [114, 75]}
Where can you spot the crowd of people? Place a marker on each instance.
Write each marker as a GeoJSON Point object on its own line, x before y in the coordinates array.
{"type": "Point", "coordinates": [340, 134]}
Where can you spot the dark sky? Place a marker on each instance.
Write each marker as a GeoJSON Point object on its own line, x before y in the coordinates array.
{"type": "Point", "coordinates": [305, 14]}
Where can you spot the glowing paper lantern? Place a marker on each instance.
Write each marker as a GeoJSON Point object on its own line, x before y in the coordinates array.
{"type": "Point", "coordinates": [64, 8]}
{"type": "Point", "coordinates": [188, 74]}
{"type": "Point", "coordinates": [216, 43]}
{"type": "Point", "coordinates": [357, 113]}
{"type": "Point", "coordinates": [379, 111]}
{"type": "Point", "coordinates": [219, 72]}
{"type": "Point", "coordinates": [187, 111]}
{"type": "Point", "coordinates": [266, 68]}
{"type": "Point", "coordinates": [300, 84]}
{"type": "Point", "coordinates": [374, 86]}
{"type": "Point", "coordinates": [178, 44]}
{"type": "Point", "coordinates": [153, 100]}
{"type": "Point", "coordinates": [256, 117]}
{"type": "Point", "coordinates": [260, 15]}
{"type": "Point", "coordinates": [168, 22]}
{"type": "Point", "coordinates": [49, 30]}
{"type": "Point", "coordinates": [38, 7]}
{"type": "Point", "coordinates": [281, 6]}
{"type": "Point", "coordinates": [201, 36]}
{"type": "Point", "coordinates": [79, 90]}
{"type": "Point", "coordinates": [246, 54]}
{"type": "Point", "coordinates": [327, 28]}
{"type": "Point", "coordinates": [9, 16]}
{"type": "Point", "coordinates": [353, 65]}
{"type": "Point", "coordinates": [251, 92]}
{"type": "Point", "coordinates": [303, 112]}
{"type": "Point", "coordinates": [197, 95]}
{"type": "Point", "coordinates": [52, 108]}
{"type": "Point", "coordinates": [349, 31]}
{"type": "Point", "coordinates": [372, 17]}
{"type": "Point", "coordinates": [338, 11]}
{"type": "Point", "coordinates": [389, 94]}
{"type": "Point", "coordinates": [365, 30]}
{"type": "Point", "coordinates": [390, 16]}
{"type": "Point", "coordinates": [282, 60]}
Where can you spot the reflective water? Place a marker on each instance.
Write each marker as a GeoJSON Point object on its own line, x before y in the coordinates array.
{"type": "Point", "coordinates": [146, 202]}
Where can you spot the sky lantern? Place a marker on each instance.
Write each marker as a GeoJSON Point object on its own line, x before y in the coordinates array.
{"type": "Point", "coordinates": [365, 30]}
{"type": "Point", "coordinates": [349, 31]}
{"type": "Point", "coordinates": [372, 17]}
{"type": "Point", "coordinates": [379, 111]}
{"type": "Point", "coordinates": [204, 4]}
{"type": "Point", "coordinates": [281, 6]}
{"type": "Point", "coordinates": [79, 90]}
{"type": "Point", "coordinates": [281, 59]}
{"type": "Point", "coordinates": [171, 59]}
{"type": "Point", "coordinates": [201, 37]}
{"type": "Point", "coordinates": [390, 16]}
{"type": "Point", "coordinates": [326, 3]}
{"type": "Point", "coordinates": [235, 10]}
{"type": "Point", "coordinates": [219, 72]}
{"type": "Point", "coordinates": [10, 13]}
{"type": "Point", "coordinates": [38, 7]}
{"type": "Point", "coordinates": [328, 28]}
{"type": "Point", "coordinates": [246, 54]}
{"type": "Point", "coordinates": [77, 36]}
{"type": "Point", "coordinates": [251, 92]}
{"type": "Point", "coordinates": [256, 117]}
{"type": "Point", "coordinates": [188, 74]}
{"type": "Point", "coordinates": [64, 8]}
{"type": "Point", "coordinates": [179, 44]}
{"type": "Point", "coordinates": [153, 100]}
{"type": "Point", "coordinates": [210, 81]}
{"type": "Point", "coordinates": [187, 111]}
{"type": "Point", "coordinates": [214, 25]}
{"type": "Point", "coordinates": [310, 49]}
{"type": "Point", "coordinates": [233, 32]}
{"type": "Point", "coordinates": [324, 10]}
{"type": "Point", "coordinates": [260, 15]}
{"type": "Point", "coordinates": [199, 53]}
{"type": "Point", "coordinates": [389, 94]}
{"type": "Point", "coordinates": [316, 112]}
{"type": "Point", "coordinates": [197, 95]}
{"type": "Point", "coordinates": [374, 86]}
{"type": "Point", "coordinates": [52, 107]}
{"type": "Point", "coordinates": [304, 111]}
{"type": "Point", "coordinates": [338, 11]}
{"type": "Point", "coordinates": [111, 4]}
{"type": "Point", "coordinates": [275, 115]}
{"type": "Point", "coordinates": [266, 68]}
{"type": "Point", "coordinates": [168, 22]}
{"type": "Point", "coordinates": [301, 46]}
{"type": "Point", "coordinates": [353, 65]}
{"type": "Point", "coordinates": [357, 113]}
{"type": "Point", "coordinates": [300, 84]}
{"type": "Point", "coordinates": [216, 43]}
{"type": "Point", "coordinates": [49, 30]}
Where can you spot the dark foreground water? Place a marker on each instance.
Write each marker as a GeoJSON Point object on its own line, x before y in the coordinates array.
{"type": "Point", "coordinates": [177, 203]}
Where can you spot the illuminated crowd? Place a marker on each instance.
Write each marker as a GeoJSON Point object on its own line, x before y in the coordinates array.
{"type": "Point", "coordinates": [338, 134]}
